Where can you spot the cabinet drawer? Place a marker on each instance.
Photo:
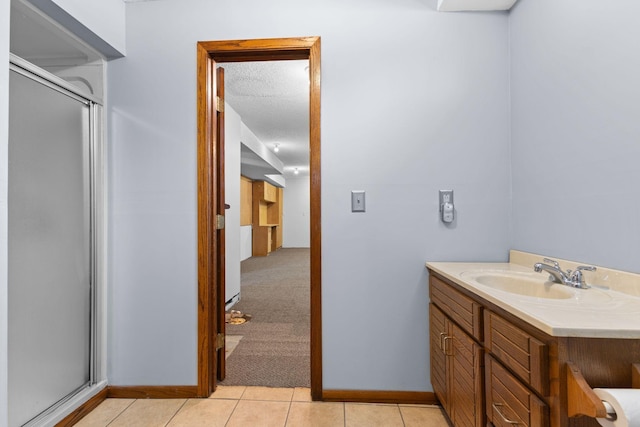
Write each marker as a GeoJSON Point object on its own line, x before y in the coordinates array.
{"type": "Point", "coordinates": [524, 355]}
{"type": "Point", "coordinates": [460, 308]}
{"type": "Point", "coordinates": [509, 402]}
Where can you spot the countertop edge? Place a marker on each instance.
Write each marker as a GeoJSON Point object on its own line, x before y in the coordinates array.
{"type": "Point", "coordinates": [450, 270]}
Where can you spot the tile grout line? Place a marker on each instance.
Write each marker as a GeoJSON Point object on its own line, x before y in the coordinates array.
{"type": "Point", "coordinates": [121, 412]}
{"type": "Point", "coordinates": [401, 416]}
{"type": "Point", "coordinates": [286, 419]}
{"type": "Point", "coordinates": [344, 414]}
{"type": "Point", "coordinates": [176, 413]}
{"type": "Point", "coordinates": [232, 411]}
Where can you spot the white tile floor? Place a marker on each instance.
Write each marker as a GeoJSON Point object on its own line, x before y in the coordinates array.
{"type": "Point", "coordinates": [258, 407]}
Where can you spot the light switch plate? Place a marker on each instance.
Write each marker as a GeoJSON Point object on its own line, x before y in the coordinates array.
{"type": "Point", "coordinates": [357, 201]}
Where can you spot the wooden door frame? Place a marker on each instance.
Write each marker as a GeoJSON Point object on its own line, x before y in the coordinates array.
{"type": "Point", "coordinates": [209, 53]}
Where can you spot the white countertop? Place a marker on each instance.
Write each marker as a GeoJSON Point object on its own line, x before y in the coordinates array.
{"type": "Point", "coordinates": [589, 313]}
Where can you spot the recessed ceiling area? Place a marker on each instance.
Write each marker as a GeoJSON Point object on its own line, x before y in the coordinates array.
{"type": "Point", "coordinates": [272, 99]}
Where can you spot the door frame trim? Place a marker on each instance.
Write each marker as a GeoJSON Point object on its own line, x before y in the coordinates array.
{"type": "Point", "coordinates": [208, 54]}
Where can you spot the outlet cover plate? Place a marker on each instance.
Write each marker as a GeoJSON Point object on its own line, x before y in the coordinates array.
{"type": "Point", "coordinates": [446, 196]}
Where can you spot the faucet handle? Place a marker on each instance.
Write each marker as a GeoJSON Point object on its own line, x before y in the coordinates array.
{"type": "Point", "coordinates": [552, 261]}
{"type": "Point", "coordinates": [578, 279]}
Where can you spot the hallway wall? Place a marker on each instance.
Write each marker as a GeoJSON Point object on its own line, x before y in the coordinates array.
{"type": "Point", "coordinates": [296, 213]}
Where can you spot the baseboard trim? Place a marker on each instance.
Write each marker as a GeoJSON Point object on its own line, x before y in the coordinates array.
{"type": "Point", "coordinates": [83, 409]}
{"type": "Point", "coordinates": [153, 392]}
{"type": "Point", "coordinates": [375, 396]}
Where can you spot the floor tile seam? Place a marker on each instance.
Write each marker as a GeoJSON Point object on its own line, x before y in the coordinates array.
{"type": "Point", "coordinates": [372, 404]}
{"type": "Point", "coordinates": [176, 412]}
{"type": "Point", "coordinates": [401, 416]}
{"type": "Point", "coordinates": [232, 412]}
{"type": "Point", "coordinates": [121, 412]}
{"type": "Point", "coordinates": [243, 392]}
{"type": "Point", "coordinates": [418, 405]}
{"type": "Point", "coordinates": [268, 400]}
{"type": "Point", "coordinates": [286, 419]}
{"type": "Point", "coordinates": [223, 398]}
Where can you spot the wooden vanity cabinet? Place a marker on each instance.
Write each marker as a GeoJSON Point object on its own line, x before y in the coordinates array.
{"type": "Point", "coordinates": [519, 351]}
{"type": "Point", "coordinates": [456, 356]}
{"type": "Point", "coordinates": [523, 377]}
{"type": "Point", "coordinates": [516, 373]}
{"type": "Point", "coordinates": [509, 401]}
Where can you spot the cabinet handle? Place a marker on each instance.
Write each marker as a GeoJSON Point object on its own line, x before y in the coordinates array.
{"type": "Point", "coordinates": [446, 353]}
{"type": "Point", "coordinates": [497, 407]}
{"type": "Point", "coordinates": [442, 335]}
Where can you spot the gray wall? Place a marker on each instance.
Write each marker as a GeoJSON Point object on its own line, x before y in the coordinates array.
{"type": "Point", "coordinates": [232, 125]}
{"type": "Point", "coordinates": [576, 130]}
{"type": "Point", "coordinates": [107, 21]}
{"type": "Point", "coordinates": [4, 194]}
{"type": "Point", "coordinates": [296, 212]}
{"type": "Point", "coordinates": [412, 101]}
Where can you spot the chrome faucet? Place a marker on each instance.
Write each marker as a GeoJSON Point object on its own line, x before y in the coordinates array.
{"type": "Point", "coordinates": [574, 279]}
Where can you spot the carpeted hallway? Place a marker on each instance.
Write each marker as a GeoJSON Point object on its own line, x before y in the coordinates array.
{"type": "Point", "coordinates": [274, 348]}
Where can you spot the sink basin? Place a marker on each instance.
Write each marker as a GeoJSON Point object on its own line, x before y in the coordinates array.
{"type": "Point", "coordinates": [525, 286]}
{"type": "Point", "coordinates": [520, 283]}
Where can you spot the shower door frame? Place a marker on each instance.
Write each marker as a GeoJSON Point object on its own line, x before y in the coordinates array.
{"type": "Point", "coordinates": [97, 242]}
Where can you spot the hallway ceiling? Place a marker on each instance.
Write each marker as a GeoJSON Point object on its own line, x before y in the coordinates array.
{"type": "Point", "coordinates": [272, 98]}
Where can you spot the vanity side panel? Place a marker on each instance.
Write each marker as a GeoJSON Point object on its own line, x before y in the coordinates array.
{"type": "Point", "coordinates": [604, 363]}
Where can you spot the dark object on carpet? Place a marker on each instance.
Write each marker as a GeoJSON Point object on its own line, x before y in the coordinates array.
{"type": "Point", "coordinates": [236, 317]}
{"type": "Point", "coordinates": [275, 348]}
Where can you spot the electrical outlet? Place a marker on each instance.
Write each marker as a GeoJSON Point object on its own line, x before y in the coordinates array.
{"type": "Point", "coordinates": [446, 196]}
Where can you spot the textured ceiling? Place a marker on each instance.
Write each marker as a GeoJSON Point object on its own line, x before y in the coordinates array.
{"type": "Point", "coordinates": [272, 97]}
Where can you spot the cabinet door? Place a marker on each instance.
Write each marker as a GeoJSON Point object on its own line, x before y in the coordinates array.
{"type": "Point", "coordinates": [466, 390]}
{"type": "Point", "coordinates": [510, 402]}
{"type": "Point", "coordinates": [439, 370]}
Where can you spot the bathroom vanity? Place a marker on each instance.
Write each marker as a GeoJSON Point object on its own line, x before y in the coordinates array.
{"type": "Point", "coordinates": [500, 352]}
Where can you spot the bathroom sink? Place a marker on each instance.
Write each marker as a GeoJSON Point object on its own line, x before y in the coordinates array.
{"type": "Point", "coordinates": [520, 283]}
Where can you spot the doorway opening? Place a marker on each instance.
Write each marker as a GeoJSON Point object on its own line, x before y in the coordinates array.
{"type": "Point", "coordinates": [211, 205]}
{"type": "Point", "coordinates": [267, 223]}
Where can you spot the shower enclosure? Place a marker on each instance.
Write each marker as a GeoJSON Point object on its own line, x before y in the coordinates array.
{"type": "Point", "coordinates": [51, 345]}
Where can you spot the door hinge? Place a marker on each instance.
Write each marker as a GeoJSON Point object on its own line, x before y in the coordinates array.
{"type": "Point", "coordinates": [219, 341]}
{"type": "Point", "coordinates": [219, 105]}
{"type": "Point", "coordinates": [219, 222]}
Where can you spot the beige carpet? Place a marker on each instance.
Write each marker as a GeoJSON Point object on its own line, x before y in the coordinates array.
{"type": "Point", "coordinates": [274, 349]}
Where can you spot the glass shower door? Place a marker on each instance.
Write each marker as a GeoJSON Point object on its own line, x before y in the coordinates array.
{"type": "Point", "coordinates": [50, 246]}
